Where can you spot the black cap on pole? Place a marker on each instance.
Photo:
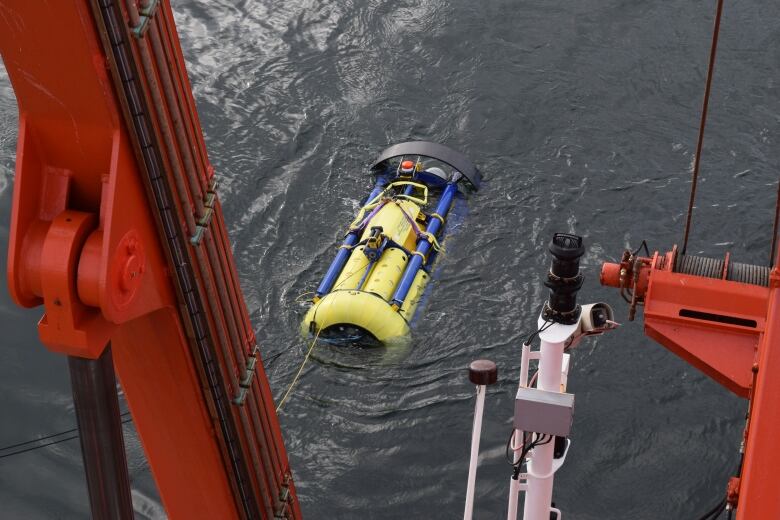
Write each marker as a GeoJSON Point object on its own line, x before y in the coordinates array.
{"type": "Point", "coordinates": [483, 372]}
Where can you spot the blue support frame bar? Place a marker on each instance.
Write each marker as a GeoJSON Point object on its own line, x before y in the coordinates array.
{"type": "Point", "coordinates": [346, 247]}
{"type": "Point", "coordinates": [424, 246]}
{"type": "Point", "coordinates": [338, 264]}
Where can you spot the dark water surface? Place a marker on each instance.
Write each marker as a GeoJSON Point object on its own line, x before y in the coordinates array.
{"type": "Point", "coordinates": [582, 116]}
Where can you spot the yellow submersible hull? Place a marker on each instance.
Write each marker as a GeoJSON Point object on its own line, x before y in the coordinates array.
{"type": "Point", "coordinates": [374, 285]}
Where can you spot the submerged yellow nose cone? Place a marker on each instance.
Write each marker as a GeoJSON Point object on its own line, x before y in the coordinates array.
{"type": "Point", "coordinates": [364, 310]}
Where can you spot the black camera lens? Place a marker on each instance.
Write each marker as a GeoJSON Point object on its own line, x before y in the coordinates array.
{"type": "Point", "coordinates": [564, 278]}
{"type": "Point", "coordinates": [599, 317]}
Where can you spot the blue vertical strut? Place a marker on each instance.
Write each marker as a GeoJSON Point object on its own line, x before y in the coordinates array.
{"type": "Point", "coordinates": [424, 246]}
{"type": "Point", "coordinates": [346, 247]}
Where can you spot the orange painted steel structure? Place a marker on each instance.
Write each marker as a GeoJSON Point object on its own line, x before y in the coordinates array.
{"type": "Point", "coordinates": [116, 229]}
{"type": "Point", "coordinates": [723, 319]}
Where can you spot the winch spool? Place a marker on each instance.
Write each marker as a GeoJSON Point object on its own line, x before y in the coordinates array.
{"type": "Point", "coordinates": [713, 268]}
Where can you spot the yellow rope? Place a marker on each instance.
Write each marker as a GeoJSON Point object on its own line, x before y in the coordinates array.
{"type": "Point", "coordinates": [298, 374]}
{"type": "Point", "coordinates": [362, 213]}
{"type": "Point", "coordinates": [420, 201]}
{"type": "Point", "coordinates": [432, 239]}
{"type": "Point", "coordinates": [373, 203]}
{"type": "Point", "coordinates": [314, 342]}
{"type": "Point", "coordinates": [306, 294]}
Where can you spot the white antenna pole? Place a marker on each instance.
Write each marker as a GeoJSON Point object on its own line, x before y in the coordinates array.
{"type": "Point", "coordinates": [538, 498]}
{"type": "Point", "coordinates": [482, 373]}
{"type": "Point", "coordinates": [476, 432]}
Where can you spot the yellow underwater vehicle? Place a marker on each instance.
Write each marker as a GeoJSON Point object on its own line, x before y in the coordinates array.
{"type": "Point", "coordinates": [374, 285]}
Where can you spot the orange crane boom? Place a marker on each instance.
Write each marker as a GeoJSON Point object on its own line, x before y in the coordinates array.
{"type": "Point", "coordinates": [722, 317]}
{"type": "Point", "coordinates": [117, 230]}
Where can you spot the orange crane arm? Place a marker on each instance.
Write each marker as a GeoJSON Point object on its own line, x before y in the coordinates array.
{"type": "Point", "coordinates": [721, 317]}
{"type": "Point", "coordinates": [117, 230]}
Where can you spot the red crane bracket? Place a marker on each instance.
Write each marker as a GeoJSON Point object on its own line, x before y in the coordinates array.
{"type": "Point", "coordinates": [713, 323]}
{"type": "Point", "coordinates": [82, 240]}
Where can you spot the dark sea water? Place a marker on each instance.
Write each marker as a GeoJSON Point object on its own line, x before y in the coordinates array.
{"type": "Point", "coordinates": [582, 116]}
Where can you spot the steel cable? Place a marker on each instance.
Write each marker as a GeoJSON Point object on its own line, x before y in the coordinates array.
{"type": "Point", "coordinates": [702, 123]}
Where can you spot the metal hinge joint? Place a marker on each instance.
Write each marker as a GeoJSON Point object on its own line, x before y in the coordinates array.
{"type": "Point", "coordinates": [146, 15]}
{"type": "Point", "coordinates": [209, 202]}
{"type": "Point", "coordinates": [284, 498]}
{"type": "Point", "coordinates": [249, 374]}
